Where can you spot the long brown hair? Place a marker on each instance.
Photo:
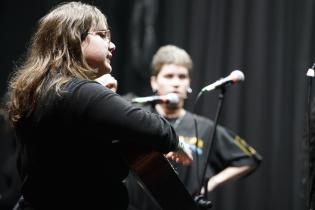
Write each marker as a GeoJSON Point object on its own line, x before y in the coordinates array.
{"type": "Point", "coordinates": [54, 56]}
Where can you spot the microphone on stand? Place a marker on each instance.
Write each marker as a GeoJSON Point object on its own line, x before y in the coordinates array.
{"type": "Point", "coordinates": [311, 72]}
{"type": "Point", "coordinates": [171, 98]}
{"type": "Point", "coordinates": [235, 77]}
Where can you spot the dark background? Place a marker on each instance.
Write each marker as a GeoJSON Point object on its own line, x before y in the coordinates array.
{"type": "Point", "coordinates": [271, 41]}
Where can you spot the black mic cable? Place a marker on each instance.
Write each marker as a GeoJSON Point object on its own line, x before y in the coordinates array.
{"type": "Point", "coordinates": [309, 170]}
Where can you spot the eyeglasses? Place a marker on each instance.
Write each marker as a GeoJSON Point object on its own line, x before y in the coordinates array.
{"type": "Point", "coordinates": [104, 34]}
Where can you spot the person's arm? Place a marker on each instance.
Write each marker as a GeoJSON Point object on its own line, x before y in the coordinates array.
{"type": "Point", "coordinates": [228, 174]}
{"type": "Point", "coordinates": [101, 109]}
{"type": "Point", "coordinates": [234, 159]}
{"type": "Point", "coordinates": [181, 155]}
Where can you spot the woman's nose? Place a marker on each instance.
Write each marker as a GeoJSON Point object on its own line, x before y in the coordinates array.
{"type": "Point", "coordinates": [112, 47]}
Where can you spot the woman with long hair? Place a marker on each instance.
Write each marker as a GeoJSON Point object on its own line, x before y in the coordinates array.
{"type": "Point", "coordinates": [70, 128]}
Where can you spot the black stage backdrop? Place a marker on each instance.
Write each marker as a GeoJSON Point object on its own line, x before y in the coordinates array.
{"type": "Point", "coordinates": [271, 41]}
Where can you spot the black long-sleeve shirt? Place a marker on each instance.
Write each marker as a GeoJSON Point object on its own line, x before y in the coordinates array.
{"type": "Point", "coordinates": [67, 154]}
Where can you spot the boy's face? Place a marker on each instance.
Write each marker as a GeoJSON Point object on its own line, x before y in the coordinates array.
{"type": "Point", "coordinates": [171, 79]}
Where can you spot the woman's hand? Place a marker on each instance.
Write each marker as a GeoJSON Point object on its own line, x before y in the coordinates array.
{"type": "Point", "coordinates": [182, 155]}
{"type": "Point", "coordinates": [108, 81]}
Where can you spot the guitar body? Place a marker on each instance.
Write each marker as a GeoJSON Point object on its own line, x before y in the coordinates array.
{"type": "Point", "coordinates": [160, 179]}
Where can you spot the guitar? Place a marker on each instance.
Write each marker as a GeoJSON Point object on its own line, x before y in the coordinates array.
{"type": "Point", "coordinates": [160, 179]}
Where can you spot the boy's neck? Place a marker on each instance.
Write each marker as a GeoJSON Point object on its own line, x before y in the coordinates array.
{"type": "Point", "coordinates": [170, 112]}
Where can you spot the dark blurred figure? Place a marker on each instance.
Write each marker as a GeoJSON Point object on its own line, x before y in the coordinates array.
{"type": "Point", "coordinates": [311, 150]}
{"type": "Point", "coordinates": [9, 178]}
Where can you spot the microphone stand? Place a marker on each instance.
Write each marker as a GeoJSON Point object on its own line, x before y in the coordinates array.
{"type": "Point", "coordinates": [202, 199]}
{"type": "Point", "coordinates": [309, 147]}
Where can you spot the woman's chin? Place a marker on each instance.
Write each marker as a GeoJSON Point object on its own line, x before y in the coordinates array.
{"type": "Point", "coordinates": [106, 70]}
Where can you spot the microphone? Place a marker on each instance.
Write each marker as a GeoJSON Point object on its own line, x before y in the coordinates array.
{"type": "Point", "coordinates": [310, 72]}
{"type": "Point", "coordinates": [235, 77]}
{"type": "Point", "coordinates": [171, 98]}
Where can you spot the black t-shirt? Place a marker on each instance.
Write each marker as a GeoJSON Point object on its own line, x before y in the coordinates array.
{"type": "Point", "coordinates": [228, 150]}
{"type": "Point", "coordinates": [69, 155]}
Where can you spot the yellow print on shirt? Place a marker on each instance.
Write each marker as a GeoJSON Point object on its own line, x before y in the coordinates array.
{"type": "Point", "coordinates": [194, 145]}
{"type": "Point", "coordinates": [241, 143]}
